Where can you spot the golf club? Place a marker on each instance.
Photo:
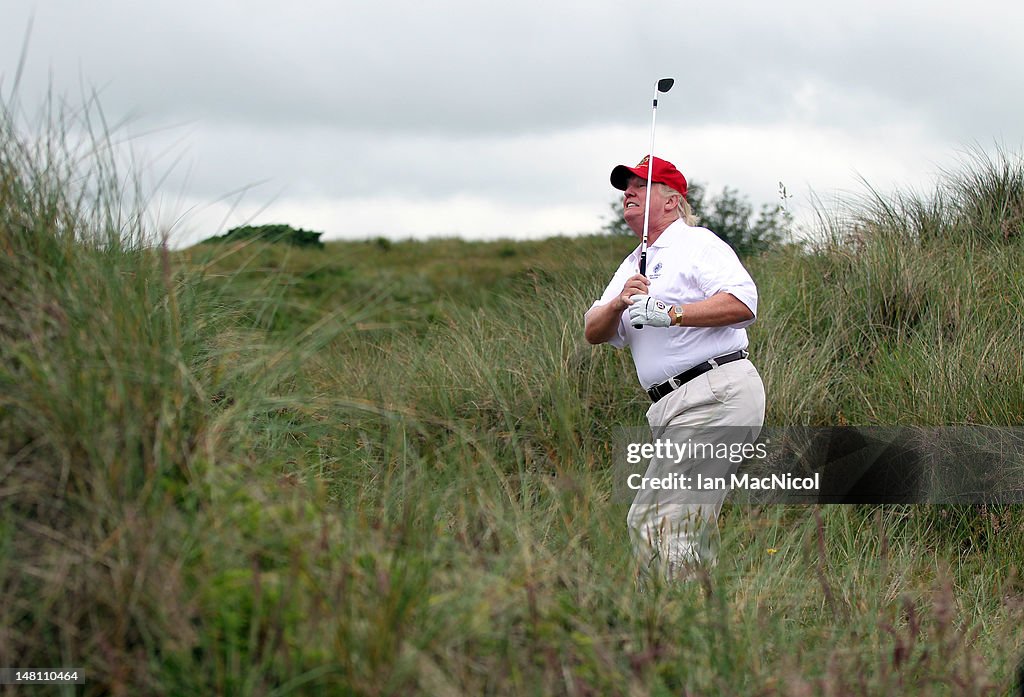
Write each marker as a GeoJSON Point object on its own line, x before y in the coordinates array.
{"type": "Point", "coordinates": [664, 85]}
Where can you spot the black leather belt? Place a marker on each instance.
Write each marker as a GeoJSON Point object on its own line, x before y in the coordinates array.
{"type": "Point", "coordinates": [659, 391]}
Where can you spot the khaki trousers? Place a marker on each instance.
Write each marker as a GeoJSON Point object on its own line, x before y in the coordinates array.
{"type": "Point", "coordinates": [674, 530]}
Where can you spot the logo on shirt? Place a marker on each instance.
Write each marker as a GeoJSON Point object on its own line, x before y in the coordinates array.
{"type": "Point", "coordinates": [656, 271]}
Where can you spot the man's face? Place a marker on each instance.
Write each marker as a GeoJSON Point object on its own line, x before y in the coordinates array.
{"type": "Point", "coordinates": [633, 203]}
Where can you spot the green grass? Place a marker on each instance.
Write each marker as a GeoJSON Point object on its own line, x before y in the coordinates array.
{"type": "Point", "coordinates": [384, 468]}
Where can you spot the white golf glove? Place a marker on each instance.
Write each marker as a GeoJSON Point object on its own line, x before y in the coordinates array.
{"type": "Point", "coordinates": [648, 311]}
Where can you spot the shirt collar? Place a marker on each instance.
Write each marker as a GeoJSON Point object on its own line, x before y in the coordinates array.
{"type": "Point", "coordinates": [670, 234]}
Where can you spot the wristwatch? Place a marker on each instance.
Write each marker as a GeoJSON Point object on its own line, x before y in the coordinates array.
{"type": "Point", "coordinates": [677, 320]}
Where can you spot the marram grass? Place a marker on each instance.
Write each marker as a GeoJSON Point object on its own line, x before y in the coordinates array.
{"type": "Point", "coordinates": [385, 468]}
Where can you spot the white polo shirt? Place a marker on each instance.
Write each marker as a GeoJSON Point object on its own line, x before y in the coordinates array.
{"type": "Point", "coordinates": [685, 264]}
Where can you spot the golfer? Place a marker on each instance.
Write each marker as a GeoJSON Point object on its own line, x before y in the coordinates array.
{"type": "Point", "coordinates": [690, 351]}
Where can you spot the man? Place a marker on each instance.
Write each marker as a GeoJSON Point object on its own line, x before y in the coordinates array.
{"type": "Point", "coordinates": [693, 306]}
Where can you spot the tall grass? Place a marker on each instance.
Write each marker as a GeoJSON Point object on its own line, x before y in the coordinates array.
{"type": "Point", "coordinates": [120, 448]}
{"type": "Point", "coordinates": [385, 469]}
{"type": "Point", "coordinates": [907, 311]}
{"type": "Point", "coordinates": [97, 407]}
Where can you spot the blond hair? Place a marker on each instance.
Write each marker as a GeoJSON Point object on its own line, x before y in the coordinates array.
{"type": "Point", "coordinates": [683, 209]}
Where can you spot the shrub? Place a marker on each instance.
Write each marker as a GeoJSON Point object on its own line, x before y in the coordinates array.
{"type": "Point", "coordinates": [280, 234]}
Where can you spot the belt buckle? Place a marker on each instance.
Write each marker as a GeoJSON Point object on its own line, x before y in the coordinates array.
{"type": "Point", "coordinates": [674, 383]}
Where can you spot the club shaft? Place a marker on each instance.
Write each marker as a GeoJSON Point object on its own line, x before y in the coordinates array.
{"type": "Point", "coordinates": [647, 194]}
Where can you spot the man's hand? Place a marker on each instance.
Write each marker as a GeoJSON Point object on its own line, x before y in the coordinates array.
{"type": "Point", "coordinates": [636, 285]}
{"type": "Point", "coordinates": [649, 312]}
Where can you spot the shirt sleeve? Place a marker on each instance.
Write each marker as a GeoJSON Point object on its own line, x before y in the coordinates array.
{"type": "Point", "coordinates": [722, 272]}
{"type": "Point", "coordinates": [626, 269]}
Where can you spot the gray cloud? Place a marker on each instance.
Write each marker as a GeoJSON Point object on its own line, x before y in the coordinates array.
{"type": "Point", "coordinates": [463, 67]}
{"type": "Point", "coordinates": [515, 101]}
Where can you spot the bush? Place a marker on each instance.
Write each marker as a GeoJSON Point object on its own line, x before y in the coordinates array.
{"type": "Point", "coordinates": [281, 234]}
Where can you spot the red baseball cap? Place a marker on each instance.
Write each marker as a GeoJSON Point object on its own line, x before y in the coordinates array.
{"type": "Point", "coordinates": [664, 173]}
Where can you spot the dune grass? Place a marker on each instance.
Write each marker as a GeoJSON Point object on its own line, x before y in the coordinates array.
{"type": "Point", "coordinates": [384, 468]}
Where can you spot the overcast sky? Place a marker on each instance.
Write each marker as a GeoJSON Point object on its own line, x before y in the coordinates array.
{"type": "Point", "coordinates": [459, 117]}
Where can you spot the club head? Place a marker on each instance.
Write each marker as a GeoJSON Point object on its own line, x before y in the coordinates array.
{"type": "Point", "coordinates": [665, 84]}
